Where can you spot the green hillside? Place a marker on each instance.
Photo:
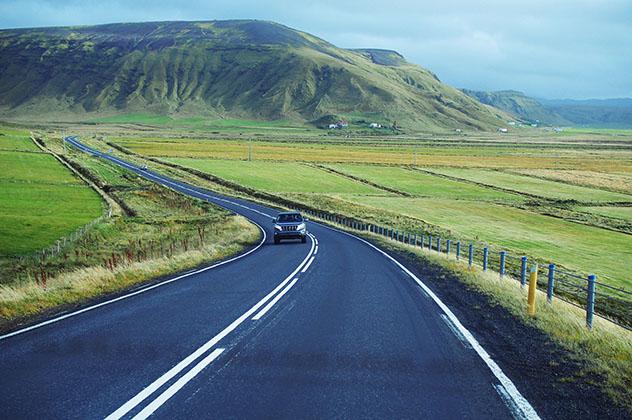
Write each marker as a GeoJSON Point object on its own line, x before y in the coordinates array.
{"type": "Point", "coordinates": [223, 69]}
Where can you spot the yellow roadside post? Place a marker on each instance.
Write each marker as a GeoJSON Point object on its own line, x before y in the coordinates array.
{"type": "Point", "coordinates": [533, 282]}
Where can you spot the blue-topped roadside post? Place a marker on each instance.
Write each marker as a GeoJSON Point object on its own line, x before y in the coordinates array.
{"type": "Point", "coordinates": [503, 256]}
{"type": "Point", "coordinates": [485, 258]}
{"type": "Point", "coordinates": [470, 258]}
{"type": "Point", "coordinates": [523, 271]}
{"type": "Point", "coordinates": [458, 250]}
{"type": "Point", "coordinates": [550, 287]}
{"type": "Point", "coordinates": [430, 242]}
{"type": "Point", "coordinates": [447, 246]}
{"type": "Point", "coordinates": [590, 301]}
{"type": "Point", "coordinates": [439, 244]}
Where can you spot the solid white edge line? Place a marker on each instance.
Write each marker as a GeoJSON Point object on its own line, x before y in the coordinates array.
{"type": "Point", "coordinates": [526, 411]}
{"type": "Point", "coordinates": [137, 292]}
{"type": "Point", "coordinates": [176, 386]}
{"type": "Point", "coordinates": [146, 392]}
{"type": "Point", "coordinates": [274, 301]}
{"type": "Point", "coordinates": [308, 264]}
{"type": "Point", "coordinates": [316, 250]}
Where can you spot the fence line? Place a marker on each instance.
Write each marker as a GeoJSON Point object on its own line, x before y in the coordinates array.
{"type": "Point", "coordinates": [584, 292]}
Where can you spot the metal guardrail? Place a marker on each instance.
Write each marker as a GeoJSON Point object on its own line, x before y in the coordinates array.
{"type": "Point", "coordinates": [584, 292]}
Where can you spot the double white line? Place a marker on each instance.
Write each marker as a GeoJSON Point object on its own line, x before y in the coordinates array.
{"type": "Point", "coordinates": [171, 373]}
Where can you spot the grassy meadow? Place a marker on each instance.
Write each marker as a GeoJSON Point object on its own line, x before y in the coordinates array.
{"type": "Point", "coordinates": [550, 197]}
{"type": "Point", "coordinates": [40, 199]}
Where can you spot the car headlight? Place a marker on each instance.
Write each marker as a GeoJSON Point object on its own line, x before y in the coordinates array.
{"type": "Point", "coordinates": [301, 226]}
{"type": "Point", "coordinates": [277, 227]}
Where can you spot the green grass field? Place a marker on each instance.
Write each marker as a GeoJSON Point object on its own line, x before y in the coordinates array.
{"type": "Point", "coordinates": [278, 177]}
{"type": "Point", "coordinates": [40, 200]}
{"type": "Point", "coordinates": [424, 185]}
{"type": "Point", "coordinates": [624, 213]}
{"type": "Point", "coordinates": [544, 237]}
{"type": "Point", "coordinates": [534, 186]}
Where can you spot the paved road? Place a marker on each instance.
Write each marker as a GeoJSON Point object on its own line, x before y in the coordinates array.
{"type": "Point", "coordinates": [331, 328]}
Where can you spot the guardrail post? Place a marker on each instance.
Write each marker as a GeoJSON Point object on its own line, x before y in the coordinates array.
{"type": "Point", "coordinates": [458, 250]}
{"type": "Point", "coordinates": [408, 238]}
{"type": "Point", "coordinates": [523, 271]}
{"type": "Point", "coordinates": [439, 244]}
{"type": "Point", "coordinates": [485, 258]}
{"type": "Point", "coordinates": [447, 246]}
{"type": "Point", "coordinates": [533, 282]}
{"type": "Point", "coordinates": [551, 283]}
{"type": "Point", "coordinates": [430, 242]}
{"type": "Point", "coordinates": [471, 255]}
{"type": "Point", "coordinates": [503, 255]}
{"type": "Point", "coordinates": [590, 301]}
{"type": "Point", "coordinates": [415, 240]}
{"type": "Point", "coordinates": [423, 240]}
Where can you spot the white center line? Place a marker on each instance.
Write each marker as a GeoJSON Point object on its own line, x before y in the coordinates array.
{"type": "Point", "coordinates": [273, 301]}
{"type": "Point", "coordinates": [153, 387]}
{"type": "Point", "coordinates": [169, 392]}
{"type": "Point", "coordinates": [307, 265]}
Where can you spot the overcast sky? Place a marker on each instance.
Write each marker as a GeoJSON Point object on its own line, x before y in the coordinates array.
{"type": "Point", "coordinates": [546, 48]}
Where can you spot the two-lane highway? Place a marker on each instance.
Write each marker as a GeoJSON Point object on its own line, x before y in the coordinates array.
{"type": "Point", "coordinates": [331, 328]}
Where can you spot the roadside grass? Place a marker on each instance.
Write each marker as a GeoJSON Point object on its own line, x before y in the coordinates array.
{"type": "Point", "coordinates": [605, 351]}
{"type": "Point", "coordinates": [28, 298]}
{"type": "Point", "coordinates": [569, 244]}
{"type": "Point", "coordinates": [535, 186]}
{"type": "Point", "coordinates": [616, 182]}
{"type": "Point", "coordinates": [279, 177]}
{"type": "Point", "coordinates": [424, 185]}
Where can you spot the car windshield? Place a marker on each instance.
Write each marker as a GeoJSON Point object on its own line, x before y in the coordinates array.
{"type": "Point", "coordinates": [289, 218]}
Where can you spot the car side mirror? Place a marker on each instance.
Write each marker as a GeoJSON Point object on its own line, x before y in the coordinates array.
{"type": "Point", "coordinates": [305, 219]}
{"type": "Point", "coordinates": [273, 220]}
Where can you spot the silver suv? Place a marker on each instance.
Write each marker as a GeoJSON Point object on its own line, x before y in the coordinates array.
{"type": "Point", "coordinates": [289, 225]}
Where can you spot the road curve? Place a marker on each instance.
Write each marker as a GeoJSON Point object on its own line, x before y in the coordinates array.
{"type": "Point", "coordinates": [331, 328]}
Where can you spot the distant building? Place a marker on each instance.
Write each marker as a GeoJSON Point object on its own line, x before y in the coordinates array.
{"type": "Point", "coordinates": [339, 124]}
{"type": "Point", "coordinates": [511, 123]}
{"type": "Point", "coordinates": [503, 130]}
{"type": "Point", "coordinates": [458, 130]}
{"type": "Point", "coordinates": [534, 125]}
{"type": "Point", "coordinates": [375, 125]}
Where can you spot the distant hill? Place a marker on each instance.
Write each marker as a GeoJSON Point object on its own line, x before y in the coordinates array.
{"type": "Point", "coordinates": [567, 112]}
{"type": "Point", "coordinates": [234, 69]}
{"type": "Point", "coordinates": [519, 105]}
{"type": "Point", "coordinates": [613, 113]}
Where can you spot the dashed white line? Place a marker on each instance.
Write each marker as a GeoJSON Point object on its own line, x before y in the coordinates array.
{"type": "Point", "coordinates": [154, 386]}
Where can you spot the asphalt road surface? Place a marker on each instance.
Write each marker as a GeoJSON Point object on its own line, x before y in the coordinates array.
{"type": "Point", "coordinates": [330, 328]}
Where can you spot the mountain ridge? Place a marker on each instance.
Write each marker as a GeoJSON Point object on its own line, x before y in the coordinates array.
{"type": "Point", "coordinates": [238, 68]}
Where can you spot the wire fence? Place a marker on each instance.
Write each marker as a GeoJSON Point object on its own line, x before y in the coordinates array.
{"type": "Point", "coordinates": [582, 291]}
